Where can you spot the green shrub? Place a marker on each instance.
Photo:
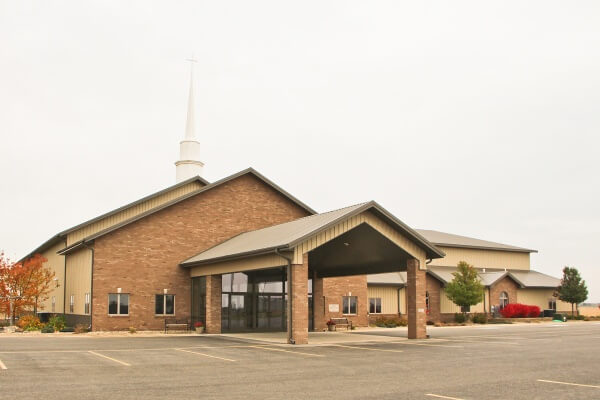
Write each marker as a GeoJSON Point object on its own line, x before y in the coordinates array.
{"type": "Point", "coordinates": [132, 329]}
{"type": "Point", "coordinates": [575, 317]}
{"type": "Point", "coordinates": [48, 329]}
{"type": "Point", "coordinates": [460, 318]}
{"type": "Point", "coordinates": [389, 322]}
{"type": "Point", "coordinates": [480, 319]}
{"type": "Point", "coordinates": [57, 322]}
{"type": "Point", "coordinates": [81, 328]}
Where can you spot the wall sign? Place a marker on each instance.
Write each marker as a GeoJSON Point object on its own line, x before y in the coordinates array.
{"type": "Point", "coordinates": [334, 308]}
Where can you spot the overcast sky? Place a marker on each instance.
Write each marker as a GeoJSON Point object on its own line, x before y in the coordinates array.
{"type": "Point", "coordinates": [475, 118]}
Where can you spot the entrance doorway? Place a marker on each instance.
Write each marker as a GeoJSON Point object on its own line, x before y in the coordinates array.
{"type": "Point", "coordinates": [256, 301]}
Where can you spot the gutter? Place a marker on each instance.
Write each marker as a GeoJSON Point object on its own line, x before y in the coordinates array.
{"type": "Point", "coordinates": [289, 294]}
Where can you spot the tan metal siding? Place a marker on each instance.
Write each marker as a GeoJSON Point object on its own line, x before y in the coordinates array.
{"type": "Point", "coordinates": [78, 279]}
{"type": "Point", "coordinates": [540, 298]}
{"type": "Point", "coordinates": [402, 299]}
{"type": "Point", "coordinates": [388, 296]}
{"type": "Point", "coordinates": [131, 212]}
{"type": "Point", "coordinates": [448, 307]}
{"type": "Point", "coordinates": [483, 258]}
{"type": "Point", "coordinates": [57, 264]}
{"type": "Point", "coordinates": [366, 217]}
{"type": "Point", "coordinates": [245, 264]}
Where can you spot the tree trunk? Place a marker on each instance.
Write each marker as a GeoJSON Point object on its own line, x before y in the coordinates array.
{"type": "Point", "coordinates": [572, 309]}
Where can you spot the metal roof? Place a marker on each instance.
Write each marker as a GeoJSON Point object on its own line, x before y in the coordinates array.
{"type": "Point", "coordinates": [534, 279]}
{"type": "Point", "coordinates": [287, 235]}
{"type": "Point", "coordinates": [388, 278]}
{"type": "Point", "coordinates": [525, 279]}
{"type": "Point", "coordinates": [451, 240]}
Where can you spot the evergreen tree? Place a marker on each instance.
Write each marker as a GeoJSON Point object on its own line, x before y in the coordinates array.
{"type": "Point", "coordinates": [465, 289]}
{"type": "Point", "coordinates": [572, 288]}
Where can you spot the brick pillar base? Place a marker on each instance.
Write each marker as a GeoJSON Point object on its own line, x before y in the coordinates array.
{"type": "Point", "coordinates": [320, 320]}
{"type": "Point", "coordinates": [213, 304]}
{"type": "Point", "coordinates": [299, 312]}
{"type": "Point", "coordinates": [415, 305]}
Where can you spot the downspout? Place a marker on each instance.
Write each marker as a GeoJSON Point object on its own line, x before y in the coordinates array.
{"type": "Point", "coordinates": [91, 283]}
{"type": "Point", "coordinates": [65, 286]}
{"type": "Point", "coordinates": [289, 294]}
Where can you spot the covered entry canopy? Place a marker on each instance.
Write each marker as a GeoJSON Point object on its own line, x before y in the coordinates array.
{"type": "Point", "coordinates": [357, 240]}
{"type": "Point", "coordinates": [360, 239]}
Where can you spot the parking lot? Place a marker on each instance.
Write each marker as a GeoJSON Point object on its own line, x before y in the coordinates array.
{"type": "Point", "coordinates": [538, 361]}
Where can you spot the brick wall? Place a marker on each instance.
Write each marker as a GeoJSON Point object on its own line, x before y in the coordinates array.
{"type": "Point", "coordinates": [333, 289]}
{"type": "Point", "coordinates": [143, 258]}
{"type": "Point", "coordinates": [415, 300]}
{"type": "Point", "coordinates": [433, 287]}
{"type": "Point", "coordinates": [504, 285]}
{"type": "Point", "coordinates": [299, 304]}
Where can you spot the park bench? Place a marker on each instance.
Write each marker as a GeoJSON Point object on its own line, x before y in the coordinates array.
{"type": "Point", "coordinates": [176, 324]}
{"type": "Point", "coordinates": [342, 322]}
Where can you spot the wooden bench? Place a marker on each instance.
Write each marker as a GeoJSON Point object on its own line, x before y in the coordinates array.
{"type": "Point", "coordinates": [342, 322]}
{"type": "Point", "coordinates": [176, 324]}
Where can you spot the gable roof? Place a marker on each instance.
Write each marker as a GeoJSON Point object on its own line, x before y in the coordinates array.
{"type": "Point", "coordinates": [285, 236]}
{"type": "Point", "coordinates": [525, 279]}
{"type": "Point", "coordinates": [452, 240]}
{"type": "Point", "coordinates": [207, 186]}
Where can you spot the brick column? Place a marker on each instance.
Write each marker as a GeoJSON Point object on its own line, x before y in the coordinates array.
{"type": "Point", "coordinates": [213, 304]}
{"type": "Point", "coordinates": [320, 319]}
{"type": "Point", "coordinates": [415, 305]}
{"type": "Point", "coordinates": [299, 314]}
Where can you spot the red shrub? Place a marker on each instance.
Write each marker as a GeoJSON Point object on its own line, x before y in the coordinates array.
{"type": "Point", "coordinates": [534, 312]}
{"type": "Point", "coordinates": [516, 310]}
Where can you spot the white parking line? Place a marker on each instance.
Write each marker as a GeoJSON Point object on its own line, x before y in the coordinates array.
{"type": "Point", "coordinates": [109, 358]}
{"type": "Point", "coordinates": [570, 384]}
{"type": "Point", "coordinates": [206, 355]}
{"type": "Point", "coordinates": [485, 342]}
{"type": "Point", "coordinates": [2, 366]}
{"type": "Point", "coordinates": [442, 397]}
{"type": "Point", "coordinates": [427, 344]}
{"type": "Point", "coordinates": [288, 351]}
{"type": "Point", "coordinates": [366, 348]}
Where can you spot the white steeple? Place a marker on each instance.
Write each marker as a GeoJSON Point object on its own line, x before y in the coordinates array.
{"type": "Point", "coordinates": [189, 164]}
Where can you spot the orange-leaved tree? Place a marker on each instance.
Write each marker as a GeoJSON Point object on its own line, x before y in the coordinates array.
{"type": "Point", "coordinates": [26, 284]}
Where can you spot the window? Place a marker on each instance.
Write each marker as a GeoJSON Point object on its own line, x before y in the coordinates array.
{"type": "Point", "coordinates": [86, 305]}
{"type": "Point", "coordinates": [118, 304]}
{"type": "Point", "coordinates": [503, 300]}
{"type": "Point", "coordinates": [72, 303]}
{"type": "Point", "coordinates": [53, 303]}
{"type": "Point", "coordinates": [552, 303]}
{"type": "Point", "coordinates": [165, 304]}
{"type": "Point", "coordinates": [427, 304]}
{"type": "Point", "coordinates": [375, 305]}
{"type": "Point", "coordinates": [349, 304]}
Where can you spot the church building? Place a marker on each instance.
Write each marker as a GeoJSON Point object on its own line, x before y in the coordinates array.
{"type": "Point", "coordinates": [243, 254]}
